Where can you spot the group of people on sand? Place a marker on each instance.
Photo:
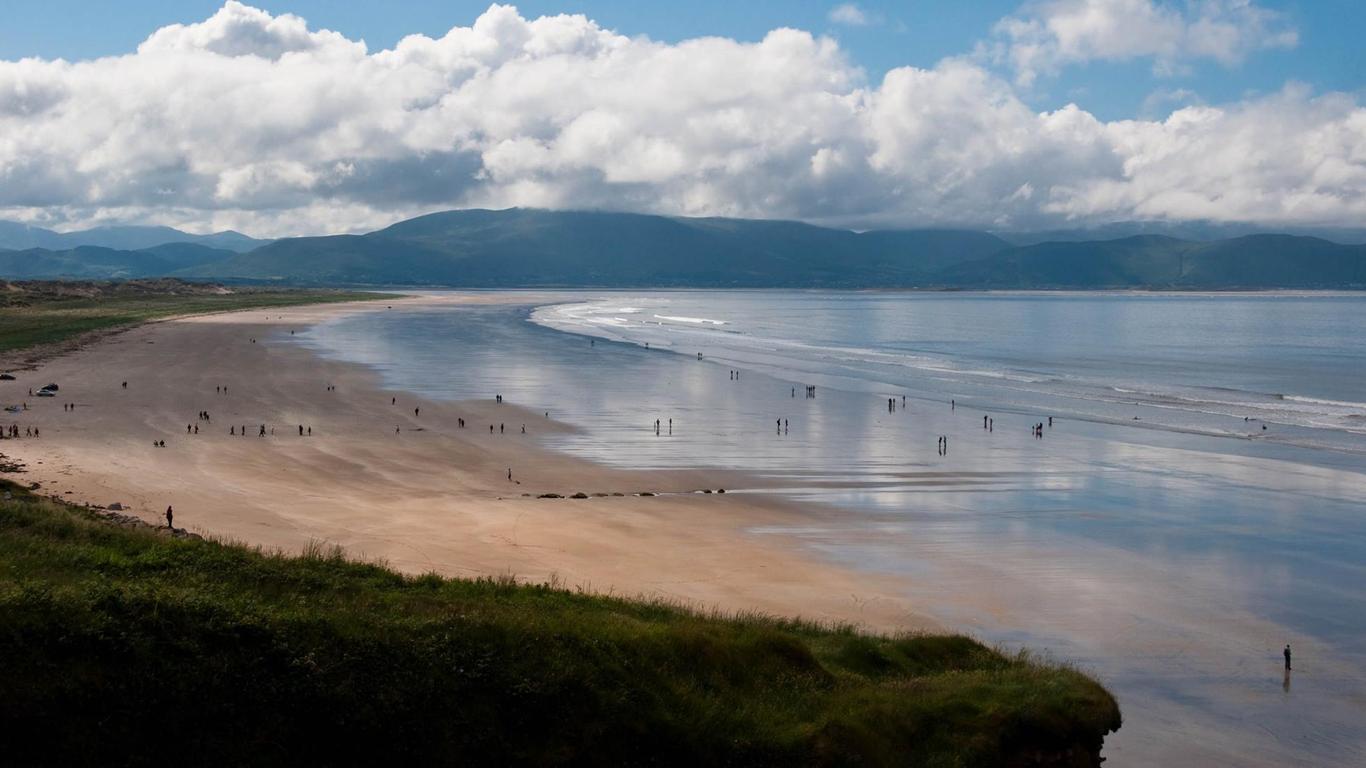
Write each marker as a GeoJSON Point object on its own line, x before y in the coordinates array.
{"type": "Point", "coordinates": [12, 431]}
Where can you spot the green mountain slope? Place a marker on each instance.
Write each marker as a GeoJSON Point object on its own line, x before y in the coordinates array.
{"type": "Point", "coordinates": [521, 247]}
{"type": "Point", "coordinates": [1154, 261]}
{"type": "Point", "coordinates": [93, 262]}
{"type": "Point", "coordinates": [536, 248]}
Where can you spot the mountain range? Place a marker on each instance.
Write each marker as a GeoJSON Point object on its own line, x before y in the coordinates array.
{"type": "Point", "coordinates": [15, 236]}
{"type": "Point", "coordinates": [538, 248]}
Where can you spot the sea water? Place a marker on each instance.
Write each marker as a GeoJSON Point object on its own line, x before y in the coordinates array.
{"type": "Point", "coordinates": [1198, 502]}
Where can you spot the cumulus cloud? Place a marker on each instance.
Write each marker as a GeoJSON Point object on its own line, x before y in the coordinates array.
{"type": "Point", "coordinates": [1049, 34]}
{"type": "Point", "coordinates": [261, 123]}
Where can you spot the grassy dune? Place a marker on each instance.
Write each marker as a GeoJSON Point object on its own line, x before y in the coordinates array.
{"type": "Point", "coordinates": [35, 314]}
{"type": "Point", "coordinates": [127, 646]}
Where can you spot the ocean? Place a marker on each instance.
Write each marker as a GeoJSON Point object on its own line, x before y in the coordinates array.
{"type": "Point", "coordinates": [1197, 501]}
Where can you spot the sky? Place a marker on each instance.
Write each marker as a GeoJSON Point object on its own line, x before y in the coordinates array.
{"type": "Point", "coordinates": [310, 116]}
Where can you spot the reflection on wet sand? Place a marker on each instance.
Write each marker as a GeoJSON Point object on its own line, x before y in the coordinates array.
{"type": "Point", "coordinates": [1176, 566]}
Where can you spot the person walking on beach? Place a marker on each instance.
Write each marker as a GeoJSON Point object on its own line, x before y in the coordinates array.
{"type": "Point", "coordinates": [984, 422]}
{"type": "Point", "coordinates": [416, 411]}
{"type": "Point", "coordinates": [301, 430]}
{"type": "Point", "coordinates": [1286, 653]}
{"type": "Point", "coordinates": [170, 514]}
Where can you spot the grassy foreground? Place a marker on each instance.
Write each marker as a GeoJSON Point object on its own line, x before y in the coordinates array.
{"type": "Point", "coordinates": [34, 314]}
{"type": "Point", "coordinates": [126, 646]}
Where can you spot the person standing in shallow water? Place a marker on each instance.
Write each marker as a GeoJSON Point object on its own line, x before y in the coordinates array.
{"type": "Point", "coordinates": [1286, 653]}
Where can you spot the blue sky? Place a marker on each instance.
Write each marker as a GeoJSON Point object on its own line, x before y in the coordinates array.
{"type": "Point", "coordinates": [270, 117]}
{"type": "Point", "coordinates": [1331, 55]}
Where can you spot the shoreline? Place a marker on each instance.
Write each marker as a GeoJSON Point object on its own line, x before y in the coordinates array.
{"type": "Point", "coordinates": [431, 497]}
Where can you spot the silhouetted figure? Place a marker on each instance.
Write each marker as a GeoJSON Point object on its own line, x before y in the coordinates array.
{"type": "Point", "coordinates": [301, 430]}
{"type": "Point", "coordinates": [170, 517]}
{"type": "Point", "coordinates": [393, 401]}
{"type": "Point", "coordinates": [125, 385]}
{"type": "Point", "coordinates": [1286, 653]}
{"type": "Point", "coordinates": [416, 411]}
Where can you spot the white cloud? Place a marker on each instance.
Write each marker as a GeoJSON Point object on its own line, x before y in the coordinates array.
{"type": "Point", "coordinates": [1049, 34]}
{"type": "Point", "coordinates": [259, 123]}
{"type": "Point", "coordinates": [849, 14]}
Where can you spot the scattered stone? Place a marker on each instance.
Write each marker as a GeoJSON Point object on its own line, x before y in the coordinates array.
{"type": "Point", "coordinates": [720, 490]}
{"type": "Point", "coordinates": [579, 495]}
{"type": "Point", "coordinates": [618, 493]}
{"type": "Point", "coordinates": [115, 507]}
{"type": "Point", "coordinates": [601, 495]}
{"type": "Point", "coordinates": [550, 496]}
{"type": "Point", "coordinates": [646, 493]}
{"type": "Point", "coordinates": [706, 490]}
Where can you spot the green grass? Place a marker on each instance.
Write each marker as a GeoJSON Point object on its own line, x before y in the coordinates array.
{"type": "Point", "coordinates": [31, 319]}
{"type": "Point", "coordinates": [122, 646]}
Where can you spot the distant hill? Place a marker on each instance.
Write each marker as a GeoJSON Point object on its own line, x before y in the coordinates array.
{"type": "Point", "coordinates": [536, 248]}
{"type": "Point", "coordinates": [15, 236]}
{"type": "Point", "coordinates": [1181, 230]}
{"type": "Point", "coordinates": [520, 247]}
{"type": "Point", "coordinates": [95, 263]}
{"type": "Point", "coordinates": [1152, 261]}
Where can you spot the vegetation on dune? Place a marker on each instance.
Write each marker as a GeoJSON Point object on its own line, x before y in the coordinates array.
{"type": "Point", "coordinates": [45, 313]}
{"type": "Point", "coordinates": [125, 646]}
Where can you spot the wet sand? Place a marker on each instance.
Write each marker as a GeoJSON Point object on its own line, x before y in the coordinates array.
{"type": "Point", "coordinates": [429, 497]}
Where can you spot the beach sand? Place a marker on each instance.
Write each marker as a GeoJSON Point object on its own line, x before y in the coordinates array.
{"type": "Point", "coordinates": [431, 497]}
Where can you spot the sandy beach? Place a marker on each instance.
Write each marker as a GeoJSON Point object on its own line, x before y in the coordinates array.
{"type": "Point", "coordinates": [386, 482]}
